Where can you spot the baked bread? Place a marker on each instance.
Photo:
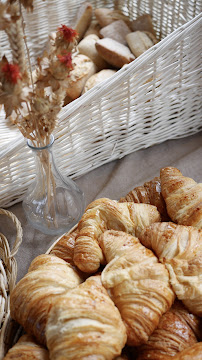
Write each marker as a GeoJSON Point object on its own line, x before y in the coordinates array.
{"type": "Point", "coordinates": [88, 324]}
{"type": "Point", "coordinates": [138, 42]}
{"type": "Point", "coordinates": [104, 16]}
{"type": "Point", "coordinates": [98, 78]}
{"type": "Point", "coordinates": [94, 28]}
{"type": "Point", "coordinates": [117, 31]}
{"type": "Point", "coordinates": [114, 52]}
{"type": "Point", "coordinates": [149, 193]}
{"type": "Point", "coordinates": [48, 277]}
{"type": "Point", "coordinates": [105, 214]}
{"type": "Point", "coordinates": [192, 353]}
{"type": "Point", "coordinates": [180, 249]}
{"type": "Point", "coordinates": [83, 19]}
{"type": "Point", "coordinates": [87, 47]}
{"type": "Point", "coordinates": [183, 197]}
{"type": "Point", "coordinates": [138, 283]}
{"type": "Point", "coordinates": [84, 67]}
{"type": "Point", "coordinates": [64, 248]}
{"type": "Point", "coordinates": [173, 334]}
{"type": "Point", "coordinates": [27, 348]}
{"type": "Point", "coordinates": [143, 23]}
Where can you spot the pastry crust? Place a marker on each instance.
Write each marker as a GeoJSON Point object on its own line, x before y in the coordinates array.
{"type": "Point", "coordinates": [105, 214]}
{"type": "Point", "coordinates": [64, 248]}
{"type": "Point", "coordinates": [88, 324]}
{"type": "Point", "coordinates": [183, 197]}
{"type": "Point", "coordinates": [192, 353]}
{"type": "Point", "coordinates": [149, 193]}
{"type": "Point", "coordinates": [33, 296]}
{"type": "Point", "coordinates": [27, 349]}
{"type": "Point", "coordinates": [176, 331]}
{"type": "Point", "coordinates": [138, 283]}
{"type": "Point", "coordinates": [180, 249]}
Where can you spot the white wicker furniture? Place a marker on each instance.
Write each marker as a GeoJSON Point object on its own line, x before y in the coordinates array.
{"type": "Point", "coordinates": [153, 99]}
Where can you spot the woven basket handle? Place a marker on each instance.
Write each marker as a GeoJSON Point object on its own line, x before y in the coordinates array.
{"type": "Point", "coordinates": [8, 274]}
{"type": "Point", "coordinates": [18, 226]}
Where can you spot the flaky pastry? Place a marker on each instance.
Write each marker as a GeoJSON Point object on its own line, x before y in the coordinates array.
{"type": "Point", "coordinates": [177, 330]}
{"type": "Point", "coordinates": [85, 324]}
{"type": "Point", "coordinates": [183, 197]}
{"type": "Point", "coordinates": [180, 249]}
{"type": "Point", "coordinates": [27, 349]}
{"type": "Point", "coordinates": [138, 283]}
{"type": "Point", "coordinates": [149, 193]}
{"type": "Point", "coordinates": [33, 296]}
{"type": "Point", "coordinates": [105, 214]}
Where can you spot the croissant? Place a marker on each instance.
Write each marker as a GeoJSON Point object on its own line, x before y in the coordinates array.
{"type": "Point", "coordinates": [180, 248]}
{"type": "Point", "coordinates": [85, 324]}
{"type": "Point", "coordinates": [26, 348]}
{"type": "Point", "coordinates": [33, 296]}
{"type": "Point", "coordinates": [149, 193]}
{"type": "Point", "coordinates": [183, 197]}
{"type": "Point", "coordinates": [64, 248]}
{"type": "Point", "coordinates": [192, 353]}
{"type": "Point", "coordinates": [172, 335]}
{"type": "Point", "coordinates": [138, 283]}
{"type": "Point", "coordinates": [105, 214]}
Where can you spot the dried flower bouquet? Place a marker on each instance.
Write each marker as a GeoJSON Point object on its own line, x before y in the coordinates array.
{"type": "Point", "coordinates": [32, 98]}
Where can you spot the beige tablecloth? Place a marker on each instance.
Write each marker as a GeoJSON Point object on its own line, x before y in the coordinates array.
{"type": "Point", "coordinates": [112, 180]}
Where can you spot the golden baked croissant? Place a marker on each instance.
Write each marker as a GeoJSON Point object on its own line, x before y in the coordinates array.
{"type": "Point", "coordinates": [149, 193]}
{"type": "Point", "coordinates": [32, 298]}
{"type": "Point", "coordinates": [26, 348]}
{"type": "Point", "coordinates": [180, 248]}
{"type": "Point", "coordinates": [172, 335]}
{"type": "Point", "coordinates": [64, 248]}
{"type": "Point", "coordinates": [183, 197]}
{"type": "Point", "coordinates": [194, 352]}
{"type": "Point", "coordinates": [105, 214]}
{"type": "Point", "coordinates": [85, 324]}
{"type": "Point", "coordinates": [138, 283]}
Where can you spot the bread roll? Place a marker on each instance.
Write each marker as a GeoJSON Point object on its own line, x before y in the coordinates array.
{"type": "Point", "coordinates": [98, 78]}
{"type": "Point", "coordinates": [83, 19]}
{"type": "Point", "coordinates": [117, 31]}
{"type": "Point", "coordinates": [143, 23]}
{"type": "Point", "coordinates": [139, 42]}
{"type": "Point", "coordinates": [94, 28]}
{"type": "Point", "coordinates": [114, 53]}
{"type": "Point", "coordinates": [87, 47]}
{"type": "Point", "coordinates": [104, 16]}
{"type": "Point", "coordinates": [84, 67]}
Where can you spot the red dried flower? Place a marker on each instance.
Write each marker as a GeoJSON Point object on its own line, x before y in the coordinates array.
{"type": "Point", "coordinates": [11, 72]}
{"type": "Point", "coordinates": [66, 59]}
{"type": "Point", "coordinates": [68, 34]}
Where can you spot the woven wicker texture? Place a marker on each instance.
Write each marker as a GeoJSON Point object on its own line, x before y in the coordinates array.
{"type": "Point", "coordinates": [153, 99]}
{"type": "Point", "coordinates": [8, 273]}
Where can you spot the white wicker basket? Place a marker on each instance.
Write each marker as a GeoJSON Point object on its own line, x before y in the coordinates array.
{"type": "Point", "coordinates": [153, 99]}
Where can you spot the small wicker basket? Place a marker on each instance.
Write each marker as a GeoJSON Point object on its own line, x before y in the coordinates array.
{"type": "Point", "coordinates": [8, 273]}
{"type": "Point", "coordinates": [153, 99]}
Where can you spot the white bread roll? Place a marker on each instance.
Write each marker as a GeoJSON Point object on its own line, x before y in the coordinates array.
{"type": "Point", "coordinates": [114, 52]}
{"type": "Point", "coordinates": [94, 28]}
{"type": "Point", "coordinates": [139, 42]}
{"type": "Point", "coordinates": [83, 19]}
{"type": "Point", "coordinates": [104, 16]}
{"type": "Point", "coordinates": [87, 47]}
{"type": "Point", "coordinates": [84, 67]}
{"type": "Point", "coordinates": [117, 31]}
{"type": "Point", "coordinates": [98, 78]}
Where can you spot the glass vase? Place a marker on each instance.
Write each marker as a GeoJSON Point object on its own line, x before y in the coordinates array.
{"type": "Point", "coordinates": [53, 203]}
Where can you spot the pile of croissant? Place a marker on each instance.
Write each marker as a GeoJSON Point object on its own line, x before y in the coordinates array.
{"type": "Point", "coordinates": [126, 284]}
